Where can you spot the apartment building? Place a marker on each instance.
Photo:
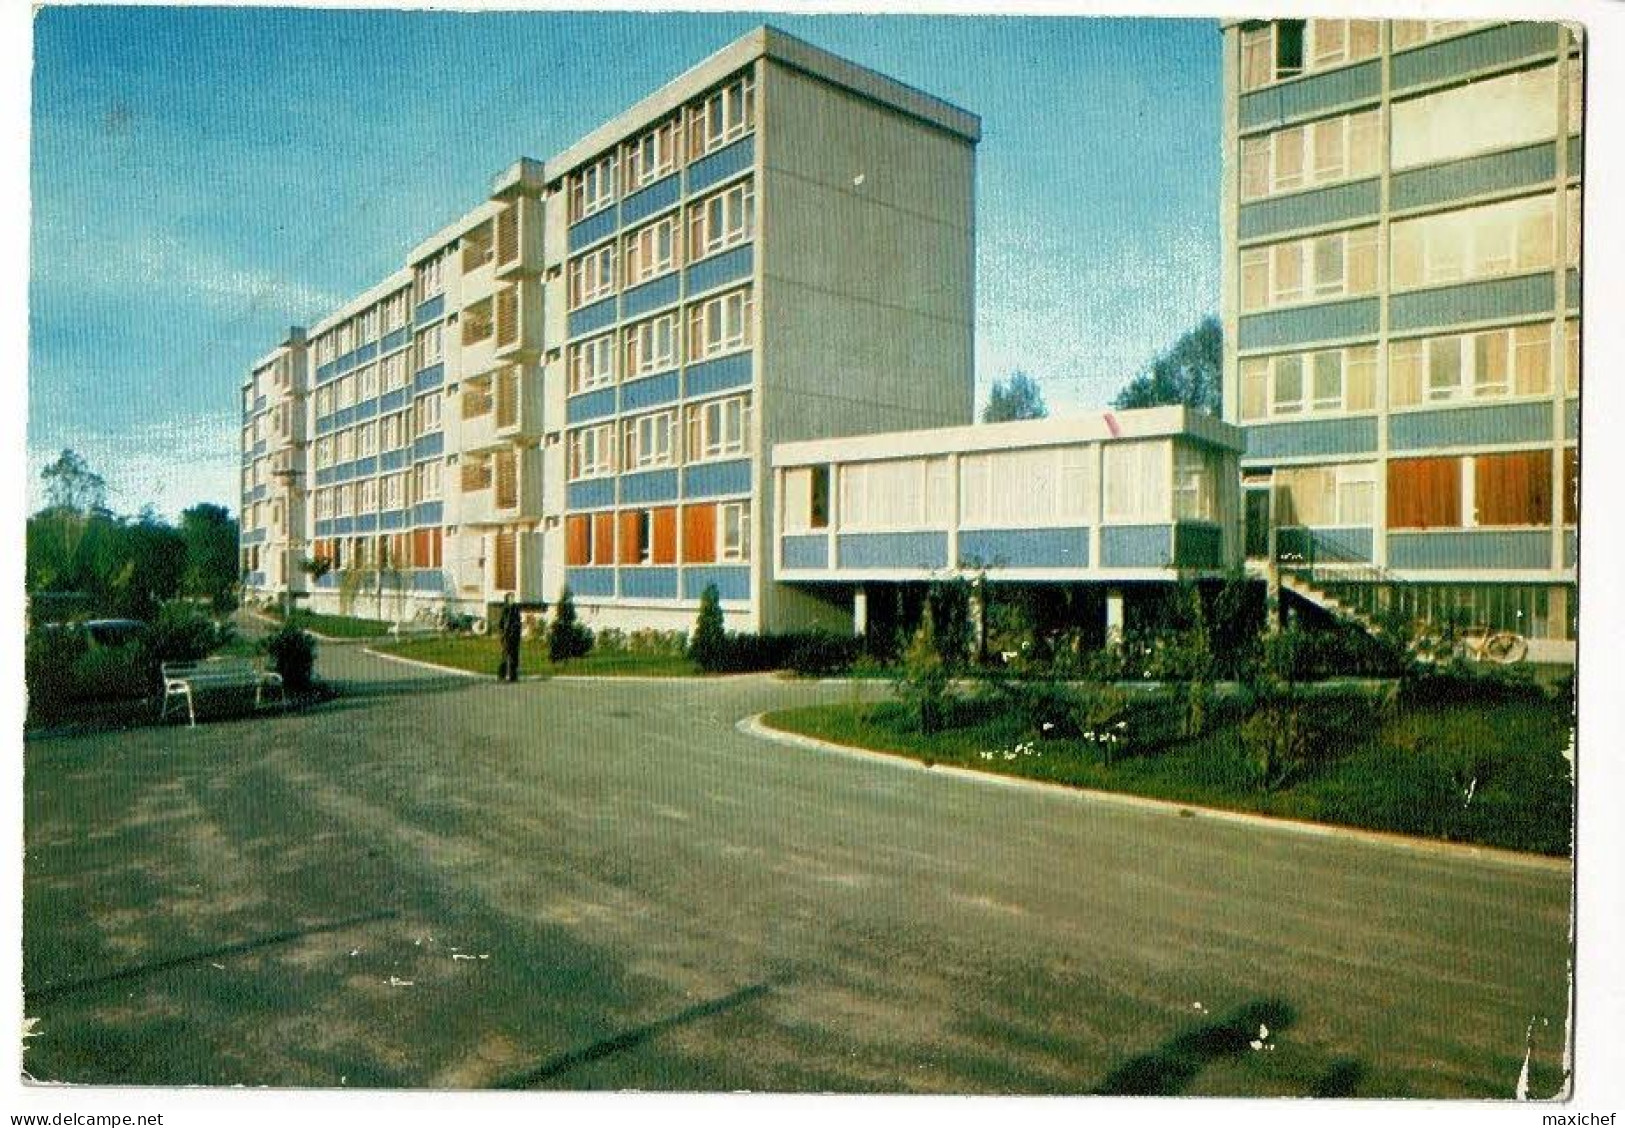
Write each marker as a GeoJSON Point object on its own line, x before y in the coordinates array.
{"type": "Point", "coordinates": [578, 382]}
{"type": "Point", "coordinates": [272, 523]}
{"type": "Point", "coordinates": [1401, 234]}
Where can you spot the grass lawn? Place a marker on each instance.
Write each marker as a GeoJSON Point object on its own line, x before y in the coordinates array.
{"type": "Point", "coordinates": [342, 626]}
{"type": "Point", "coordinates": [1486, 772]}
{"type": "Point", "coordinates": [483, 655]}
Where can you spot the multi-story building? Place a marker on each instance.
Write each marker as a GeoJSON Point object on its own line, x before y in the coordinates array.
{"type": "Point", "coordinates": [579, 382]}
{"type": "Point", "coordinates": [1401, 239]}
{"type": "Point", "coordinates": [274, 449]}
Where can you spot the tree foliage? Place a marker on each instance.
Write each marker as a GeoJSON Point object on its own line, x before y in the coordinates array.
{"type": "Point", "coordinates": [210, 534]}
{"type": "Point", "coordinates": [71, 485]}
{"type": "Point", "coordinates": [1188, 373]}
{"type": "Point", "coordinates": [1015, 398]}
{"type": "Point", "coordinates": [566, 636]}
{"type": "Point", "coordinates": [709, 645]}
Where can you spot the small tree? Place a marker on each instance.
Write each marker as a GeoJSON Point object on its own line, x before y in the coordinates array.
{"type": "Point", "coordinates": [923, 682]}
{"type": "Point", "coordinates": [566, 637]}
{"type": "Point", "coordinates": [293, 656]}
{"type": "Point", "coordinates": [709, 647]}
{"type": "Point", "coordinates": [1015, 398]}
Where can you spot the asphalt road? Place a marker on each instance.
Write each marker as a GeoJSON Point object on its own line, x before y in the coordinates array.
{"type": "Point", "coordinates": [450, 883]}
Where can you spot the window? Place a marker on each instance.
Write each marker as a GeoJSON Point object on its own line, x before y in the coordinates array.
{"type": "Point", "coordinates": [1512, 489]}
{"type": "Point", "coordinates": [806, 500]}
{"type": "Point", "coordinates": [1046, 486]}
{"type": "Point", "coordinates": [733, 531]}
{"type": "Point", "coordinates": [324, 453]}
{"type": "Point", "coordinates": [366, 326]}
{"type": "Point", "coordinates": [652, 156]}
{"type": "Point", "coordinates": [1408, 33]}
{"type": "Point", "coordinates": [477, 323]}
{"type": "Point", "coordinates": [345, 500]}
{"type": "Point", "coordinates": [1289, 37]}
{"type": "Point", "coordinates": [590, 452]}
{"type": "Point", "coordinates": [1571, 485]}
{"type": "Point", "coordinates": [479, 246]}
{"type": "Point", "coordinates": [651, 251]}
{"type": "Point", "coordinates": [1576, 99]}
{"type": "Point", "coordinates": [1288, 48]}
{"type": "Point", "coordinates": [367, 379]}
{"type": "Point", "coordinates": [1424, 493]}
{"type": "Point", "coordinates": [719, 325]}
{"type": "Point", "coordinates": [1326, 496]}
{"type": "Point", "coordinates": [430, 279]}
{"type": "Point", "coordinates": [343, 396]}
{"type": "Point", "coordinates": [1136, 481]}
{"type": "Point", "coordinates": [392, 371]}
{"type": "Point", "coordinates": [648, 440]}
{"type": "Point", "coordinates": [1492, 113]}
{"type": "Point", "coordinates": [1323, 152]}
{"type": "Point", "coordinates": [718, 429]}
{"type": "Point", "coordinates": [367, 439]}
{"type": "Point", "coordinates": [1343, 264]}
{"type": "Point", "coordinates": [592, 189]}
{"type": "Point", "coordinates": [592, 364]}
{"type": "Point", "coordinates": [1571, 215]}
{"type": "Point", "coordinates": [345, 445]}
{"type": "Point", "coordinates": [724, 116]}
{"type": "Point", "coordinates": [428, 413]}
{"type": "Point", "coordinates": [1571, 357]}
{"type": "Point", "coordinates": [394, 310]}
{"type": "Point", "coordinates": [394, 491]}
{"type": "Point", "coordinates": [651, 346]}
{"type": "Point", "coordinates": [592, 276]}
{"type": "Point", "coordinates": [904, 493]}
{"type": "Point", "coordinates": [721, 221]}
{"type": "Point", "coordinates": [1196, 483]}
{"type": "Point", "coordinates": [430, 349]}
{"type": "Point", "coordinates": [428, 483]}
{"type": "Point", "coordinates": [391, 432]}
{"type": "Point", "coordinates": [1483, 242]}
{"type": "Point", "coordinates": [367, 500]}
{"type": "Point", "coordinates": [1492, 364]}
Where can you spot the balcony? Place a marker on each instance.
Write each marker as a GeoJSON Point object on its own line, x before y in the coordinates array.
{"type": "Point", "coordinates": [479, 427]}
{"type": "Point", "coordinates": [518, 237]}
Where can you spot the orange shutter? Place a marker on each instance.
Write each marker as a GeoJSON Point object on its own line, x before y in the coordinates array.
{"type": "Point", "coordinates": [1513, 489]}
{"type": "Point", "coordinates": [603, 538]}
{"type": "Point", "coordinates": [665, 536]}
{"type": "Point", "coordinates": [575, 541]}
{"type": "Point", "coordinates": [629, 538]}
{"type": "Point", "coordinates": [1424, 493]}
{"type": "Point", "coordinates": [699, 534]}
{"type": "Point", "coordinates": [1571, 486]}
{"type": "Point", "coordinates": [506, 563]}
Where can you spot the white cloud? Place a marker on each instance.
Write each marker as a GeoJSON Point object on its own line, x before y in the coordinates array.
{"type": "Point", "coordinates": [171, 464]}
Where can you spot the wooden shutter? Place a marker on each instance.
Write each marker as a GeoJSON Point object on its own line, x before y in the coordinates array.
{"type": "Point", "coordinates": [629, 538]}
{"type": "Point", "coordinates": [508, 234]}
{"type": "Point", "coordinates": [507, 382]}
{"type": "Point", "coordinates": [507, 315]}
{"type": "Point", "coordinates": [699, 534]}
{"type": "Point", "coordinates": [1513, 489]}
{"type": "Point", "coordinates": [1424, 493]}
{"type": "Point", "coordinates": [603, 538]}
{"type": "Point", "coordinates": [575, 541]}
{"type": "Point", "coordinates": [665, 536]}
{"type": "Point", "coordinates": [1571, 486]}
{"type": "Point", "coordinates": [507, 561]}
{"type": "Point", "coordinates": [507, 480]}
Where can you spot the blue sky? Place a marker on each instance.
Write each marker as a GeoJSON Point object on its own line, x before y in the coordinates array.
{"type": "Point", "coordinates": [203, 178]}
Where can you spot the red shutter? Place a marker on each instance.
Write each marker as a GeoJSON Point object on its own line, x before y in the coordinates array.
{"type": "Point", "coordinates": [665, 536]}
{"type": "Point", "coordinates": [699, 534]}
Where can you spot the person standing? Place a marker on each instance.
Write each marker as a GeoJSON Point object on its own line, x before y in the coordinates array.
{"type": "Point", "coordinates": [512, 626]}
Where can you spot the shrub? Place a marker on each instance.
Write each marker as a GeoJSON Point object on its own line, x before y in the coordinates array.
{"type": "Point", "coordinates": [51, 654]}
{"type": "Point", "coordinates": [567, 638]}
{"type": "Point", "coordinates": [1276, 740]}
{"type": "Point", "coordinates": [293, 656]}
{"type": "Point", "coordinates": [923, 681]}
{"type": "Point", "coordinates": [663, 643]}
{"type": "Point", "coordinates": [610, 640]}
{"type": "Point", "coordinates": [709, 644]}
{"type": "Point", "coordinates": [820, 654]}
{"type": "Point", "coordinates": [182, 633]}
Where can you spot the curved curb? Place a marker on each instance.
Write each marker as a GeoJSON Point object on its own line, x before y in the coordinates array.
{"type": "Point", "coordinates": [753, 725]}
{"type": "Point", "coordinates": [626, 679]}
{"type": "Point", "coordinates": [439, 669]}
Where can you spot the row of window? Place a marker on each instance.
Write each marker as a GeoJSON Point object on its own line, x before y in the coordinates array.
{"type": "Point", "coordinates": [1492, 364]}
{"type": "Point", "coordinates": [690, 534]}
{"type": "Point", "coordinates": [1489, 241]}
{"type": "Point", "coordinates": [389, 492]}
{"type": "Point", "coordinates": [390, 314]}
{"type": "Point", "coordinates": [716, 429]}
{"type": "Point", "coordinates": [718, 119]}
{"type": "Point", "coordinates": [1289, 48]}
{"type": "Point", "coordinates": [714, 224]}
{"type": "Point", "coordinates": [718, 325]}
{"type": "Point", "coordinates": [419, 548]}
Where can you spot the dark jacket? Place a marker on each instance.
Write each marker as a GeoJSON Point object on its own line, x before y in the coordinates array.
{"type": "Point", "coordinates": [512, 624]}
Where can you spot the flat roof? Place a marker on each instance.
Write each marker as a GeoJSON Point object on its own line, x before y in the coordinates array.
{"type": "Point", "coordinates": [781, 47]}
{"type": "Point", "coordinates": [375, 293]}
{"type": "Point", "coordinates": [1102, 426]}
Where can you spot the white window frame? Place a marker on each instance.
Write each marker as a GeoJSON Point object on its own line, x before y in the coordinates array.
{"type": "Point", "coordinates": [718, 429]}
{"type": "Point", "coordinates": [654, 155]}
{"type": "Point", "coordinates": [724, 116]}
{"type": "Point", "coordinates": [650, 440]}
{"type": "Point", "coordinates": [643, 253]}
{"type": "Point", "coordinates": [592, 275]}
{"type": "Point", "coordinates": [722, 220]}
{"type": "Point", "coordinates": [721, 324]}
{"type": "Point", "coordinates": [642, 340]}
{"type": "Point", "coordinates": [590, 452]}
{"type": "Point", "coordinates": [592, 364]}
{"type": "Point", "coordinates": [733, 531]}
{"type": "Point", "coordinates": [592, 188]}
{"type": "Point", "coordinates": [431, 346]}
{"type": "Point", "coordinates": [428, 416]}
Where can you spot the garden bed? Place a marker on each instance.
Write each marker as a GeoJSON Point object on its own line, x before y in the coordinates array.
{"type": "Point", "coordinates": [483, 655]}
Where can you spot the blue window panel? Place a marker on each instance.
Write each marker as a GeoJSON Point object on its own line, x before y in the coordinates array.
{"type": "Point", "coordinates": [595, 582]}
{"type": "Point", "coordinates": [1310, 209]}
{"type": "Point", "coordinates": [428, 580]}
{"type": "Point", "coordinates": [1340, 87]}
{"type": "Point", "coordinates": [590, 319]}
{"type": "Point", "coordinates": [719, 270]}
{"type": "Point", "coordinates": [325, 424]}
{"type": "Point", "coordinates": [1470, 426]}
{"type": "Point", "coordinates": [1576, 156]}
{"type": "Point", "coordinates": [592, 229]}
{"type": "Point", "coordinates": [1571, 289]}
{"type": "Point", "coordinates": [345, 363]}
{"type": "Point", "coordinates": [330, 580]}
{"type": "Point", "coordinates": [1136, 546]}
{"type": "Point", "coordinates": [1571, 548]}
{"type": "Point", "coordinates": [256, 579]}
{"type": "Point", "coordinates": [718, 375]}
{"type": "Point", "coordinates": [649, 486]}
{"type": "Point", "coordinates": [811, 551]}
{"type": "Point", "coordinates": [396, 340]}
{"type": "Point", "coordinates": [1472, 52]}
{"type": "Point", "coordinates": [430, 378]}
{"type": "Point", "coordinates": [917, 551]}
{"type": "Point", "coordinates": [344, 471]}
{"type": "Point", "coordinates": [253, 536]}
{"type": "Point", "coordinates": [1324, 436]}
{"type": "Point", "coordinates": [648, 583]}
{"type": "Point", "coordinates": [1475, 301]}
{"type": "Point", "coordinates": [324, 528]}
{"type": "Point", "coordinates": [364, 353]}
{"type": "Point", "coordinates": [428, 513]}
{"type": "Point", "coordinates": [366, 467]}
{"type": "Point", "coordinates": [324, 477]}
{"type": "Point", "coordinates": [657, 197]}
{"type": "Point", "coordinates": [593, 405]}
{"type": "Point", "coordinates": [344, 417]}
{"type": "Point", "coordinates": [1198, 544]}
{"type": "Point", "coordinates": [1457, 180]}
{"type": "Point", "coordinates": [392, 460]}
{"type": "Point", "coordinates": [259, 448]}
{"type": "Point", "coordinates": [1530, 549]}
{"type": "Point", "coordinates": [714, 479]}
{"type": "Point", "coordinates": [428, 446]}
{"type": "Point", "coordinates": [393, 579]}
{"type": "Point", "coordinates": [1571, 419]}
{"type": "Point", "coordinates": [1024, 548]}
{"type": "Point", "coordinates": [650, 296]}
{"type": "Point", "coordinates": [392, 519]}
{"type": "Point", "coordinates": [365, 410]}
{"type": "Point", "coordinates": [343, 525]}
{"type": "Point", "coordinates": [732, 581]}
{"type": "Point", "coordinates": [1353, 543]}
{"type": "Point", "coordinates": [324, 372]}
{"type": "Point", "coordinates": [367, 523]}
{"type": "Point", "coordinates": [649, 391]}
{"type": "Point", "coordinates": [722, 164]}
{"type": "Point", "coordinates": [259, 405]}
{"type": "Point", "coordinates": [430, 310]}
{"type": "Point", "coordinates": [1331, 321]}
{"type": "Point", "coordinates": [392, 401]}
{"type": "Point", "coordinates": [594, 493]}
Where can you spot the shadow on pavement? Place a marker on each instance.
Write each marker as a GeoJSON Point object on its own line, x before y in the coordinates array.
{"type": "Point", "coordinates": [1171, 1067]}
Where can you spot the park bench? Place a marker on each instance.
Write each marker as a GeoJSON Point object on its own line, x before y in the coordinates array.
{"type": "Point", "coordinates": [188, 680]}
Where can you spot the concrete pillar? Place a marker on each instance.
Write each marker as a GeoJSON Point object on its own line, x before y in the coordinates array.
{"type": "Point", "coordinates": [978, 620]}
{"type": "Point", "coordinates": [1114, 615]}
{"type": "Point", "coordinates": [860, 609]}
